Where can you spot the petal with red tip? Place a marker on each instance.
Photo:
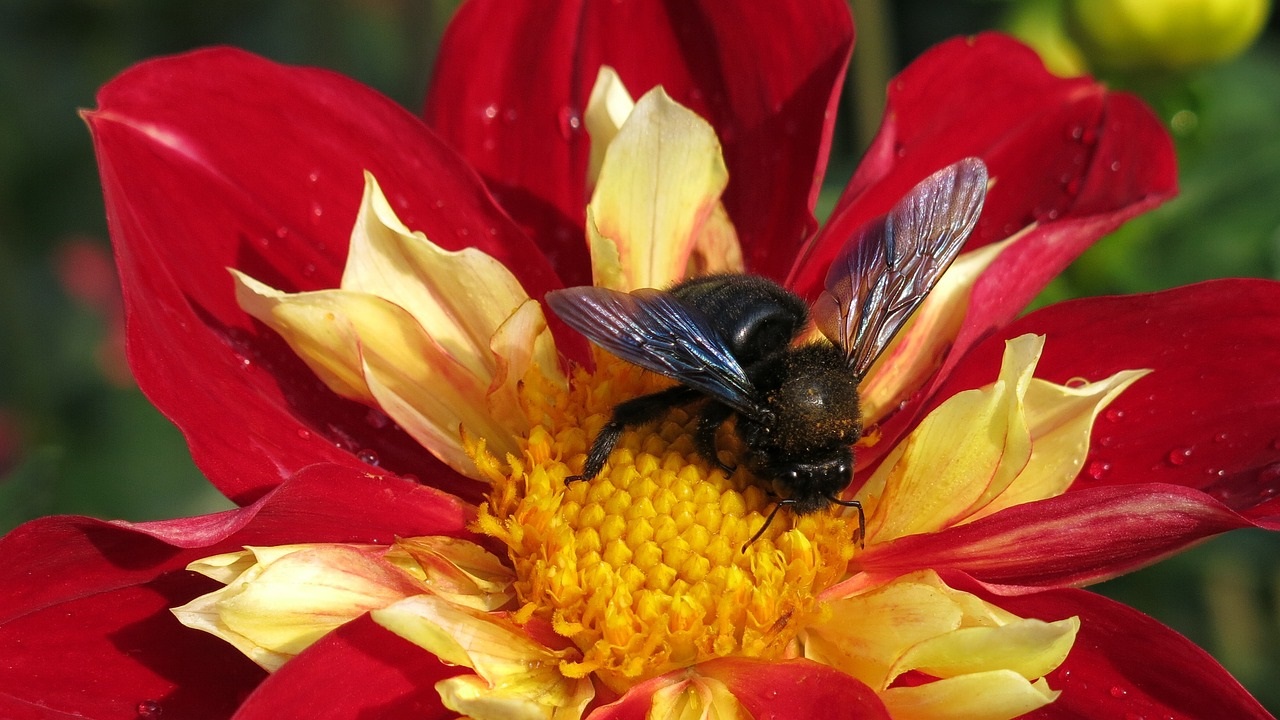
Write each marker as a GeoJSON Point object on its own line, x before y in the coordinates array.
{"type": "Point", "coordinates": [1124, 664]}
{"type": "Point", "coordinates": [765, 75]}
{"type": "Point", "coordinates": [87, 601]}
{"type": "Point", "coordinates": [221, 159]}
{"type": "Point", "coordinates": [1204, 418]}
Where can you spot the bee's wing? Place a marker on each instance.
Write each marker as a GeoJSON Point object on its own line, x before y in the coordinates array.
{"type": "Point", "coordinates": [658, 332]}
{"type": "Point", "coordinates": [884, 272]}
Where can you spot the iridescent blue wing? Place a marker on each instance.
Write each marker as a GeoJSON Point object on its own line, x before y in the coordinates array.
{"type": "Point", "coordinates": [887, 268]}
{"type": "Point", "coordinates": [658, 332]}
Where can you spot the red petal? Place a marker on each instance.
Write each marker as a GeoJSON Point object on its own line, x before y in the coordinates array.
{"type": "Point", "coordinates": [84, 620]}
{"type": "Point", "coordinates": [767, 689]}
{"type": "Point", "coordinates": [513, 77]}
{"type": "Point", "coordinates": [1075, 539]}
{"type": "Point", "coordinates": [360, 672]}
{"type": "Point", "coordinates": [795, 688]}
{"type": "Point", "coordinates": [1063, 152]}
{"type": "Point", "coordinates": [1205, 418]}
{"type": "Point", "coordinates": [220, 158]}
{"type": "Point", "coordinates": [1125, 664]}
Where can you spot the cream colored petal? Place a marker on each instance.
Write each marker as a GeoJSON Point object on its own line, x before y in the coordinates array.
{"type": "Point", "coordinates": [1060, 419]}
{"type": "Point", "coordinates": [1032, 648]}
{"type": "Point", "coordinates": [866, 634]}
{"type": "Point", "coordinates": [472, 696]}
{"type": "Point", "coordinates": [460, 297]}
{"type": "Point", "coordinates": [273, 610]}
{"type": "Point", "coordinates": [716, 249]}
{"type": "Point", "coordinates": [608, 108]}
{"type": "Point", "coordinates": [696, 698]}
{"type": "Point", "coordinates": [996, 695]}
{"type": "Point", "coordinates": [917, 351]}
{"type": "Point", "coordinates": [510, 662]}
{"type": "Point", "coordinates": [967, 451]}
{"type": "Point", "coordinates": [521, 344]}
{"type": "Point", "coordinates": [457, 570]}
{"type": "Point", "coordinates": [661, 177]}
{"type": "Point", "coordinates": [315, 327]}
{"type": "Point", "coordinates": [401, 369]}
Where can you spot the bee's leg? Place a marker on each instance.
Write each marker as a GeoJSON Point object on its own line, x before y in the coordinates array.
{"type": "Point", "coordinates": [704, 440]}
{"type": "Point", "coordinates": [631, 413]}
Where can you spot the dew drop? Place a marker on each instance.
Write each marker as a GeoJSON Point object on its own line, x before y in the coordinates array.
{"type": "Point", "coordinates": [313, 176]}
{"type": "Point", "coordinates": [411, 478]}
{"type": "Point", "coordinates": [490, 111]}
{"type": "Point", "coordinates": [1114, 414]}
{"type": "Point", "coordinates": [1221, 437]}
{"type": "Point", "coordinates": [368, 457]}
{"type": "Point", "coordinates": [1106, 441]}
{"type": "Point", "coordinates": [570, 121]}
{"type": "Point", "coordinates": [309, 270]}
{"type": "Point", "coordinates": [1179, 456]}
{"type": "Point", "coordinates": [463, 232]}
{"type": "Point", "coordinates": [1077, 382]}
{"type": "Point", "coordinates": [282, 232]}
{"type": "Point", "coordinates": [510, 115]}
{"type": "Point", "coordinates": [1118, 692]}
{"type": "Point", "coordinates": [1114, 166]}
{"type": "Point", "coordinates": [304, 434]}
{"type": "Point", "coordinates": [149, 710]}
{"type": "Point", "coordinates": [489, 144]}
{"type": "Point", "coordinates": [316, 210]}
{"type": "Point", "coordinates": [1098, 468]}
{"type": "Point", "coordinates": [243, 361]}
{"type": "Point", "coordinates": [1075, 132]}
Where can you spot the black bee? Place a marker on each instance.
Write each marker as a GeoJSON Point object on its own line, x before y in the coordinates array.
{"type": "Point", "coordinates": [729, 339]}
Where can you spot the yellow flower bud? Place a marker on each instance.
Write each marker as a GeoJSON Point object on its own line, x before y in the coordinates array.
{"type": "Point", "coordinates": [1165, 34]}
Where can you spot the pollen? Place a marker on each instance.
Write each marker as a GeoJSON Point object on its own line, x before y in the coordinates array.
{"type": "Point", "coordinates": [643, 568]}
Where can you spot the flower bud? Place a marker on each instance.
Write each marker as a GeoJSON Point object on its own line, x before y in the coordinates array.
{"type": "Point", "coordinates": [1165, 34]}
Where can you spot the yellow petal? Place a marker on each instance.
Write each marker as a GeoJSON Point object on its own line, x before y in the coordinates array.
{"type": "Point", "coordinates": [661, 178]}
{"type": "Point", "coordinates": [608, 108]}
{"type": "Point", "coordinates": [866, 634]}
{"type": "Point", "coordinates": [315, 328]}
{"type": "Point", "coordinates": [472, 696]}
{"type": "Point", "coordinates": [512, 665]}
{"type": "Point", "coordinates": [1060, 419]}
{"type": "Point", "coordinates": [1032, 648]}
{"type": "Point", "coordinates": [995, 695]}
{"type": "Point", "coordinates": [460, 297]}
{"type": "Point", "coordinates": [290, 597]}
{"type": "Point", "coordinates": [917, 350]}
{"type": "Point", "coordinates": [402, 370]}
{"type": "Point", "coordinates": [457, 570]}
{"type": "Point", "coordinates": [695, 698]}
{"type": "Point", "coordinates": [964, 453]}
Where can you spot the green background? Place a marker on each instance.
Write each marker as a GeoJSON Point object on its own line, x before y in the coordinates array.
{"type": "Point", "coordinates": [77, 437]}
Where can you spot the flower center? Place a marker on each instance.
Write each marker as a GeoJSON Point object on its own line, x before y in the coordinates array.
{"type": "Point", "coordinates": [643, 567]}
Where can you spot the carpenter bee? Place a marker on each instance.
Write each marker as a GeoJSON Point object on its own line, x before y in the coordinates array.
{"type": "Point", "coordinates": [729, 340]}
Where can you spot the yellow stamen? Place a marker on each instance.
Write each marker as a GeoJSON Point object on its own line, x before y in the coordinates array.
{"type": "Point", "coordinates": [643, 567]}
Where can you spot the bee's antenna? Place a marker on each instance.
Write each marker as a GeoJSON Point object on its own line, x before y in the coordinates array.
{"type": "Point", "coordinates": [767, 522]}
{"type": "Point", "coordinates": [862, 518]}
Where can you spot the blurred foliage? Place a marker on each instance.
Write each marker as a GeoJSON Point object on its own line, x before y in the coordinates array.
{"type": "Point", "coordinates": [77, 437]}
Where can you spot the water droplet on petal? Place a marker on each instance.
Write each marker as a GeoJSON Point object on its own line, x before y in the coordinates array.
{"type": "Point", "coordinates": [304, 434]}
{"type": "Point", "coordinates": [243, 361]}
{"type": "Point", "coordinates": [1114, 414]}
{"type": "Point", "coordinates": [313, 176]}
{"type": "Point", "coordinates": [316, 210]}
{"type": "Point", "coordinates": [1077, 382]}
{"type": "Point", "coordinates": [282, 232]}
{"type": "Point", "coordinates": [1179, 456]}
{"type": "Point", "coordinates": [368, 457]}
{"type": "Point", "coordinates": [149, 710]}
{"type": "Point", "coordinates": [490, 111]}
{"type": "Point", "coordinates": [308, 270]}
{"type": "Point", "coordinates": [1118, 692]}
{"type": "Point", "coordinates": [1098, 468]}
{"type": "Point", "coordinates": [377, 419]}
{"type": "Point", "coordinates": [1075, 132]}
{"type": "Point", "coordinates": [570, 122]}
